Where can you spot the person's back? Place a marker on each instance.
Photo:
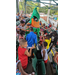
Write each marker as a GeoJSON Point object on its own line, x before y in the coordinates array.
{"type": "Point", "coordinates": [44, 52]}
{"type": "Point", "coordinates": [22, 57]}
{"type": "Point", "coordinates": [31, 38]}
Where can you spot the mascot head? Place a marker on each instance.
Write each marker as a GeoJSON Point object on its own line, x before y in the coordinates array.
{"type": "Point", "coordinates": [35, 15]}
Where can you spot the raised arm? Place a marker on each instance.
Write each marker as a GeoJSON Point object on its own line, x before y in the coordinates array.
{"type": "Point", "coordinates": [28, 53]}
{"type": "Point", "coordinates": [43, 54]}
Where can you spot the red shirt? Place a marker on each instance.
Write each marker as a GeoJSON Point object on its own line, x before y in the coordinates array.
{"type": "Point", "coordinates": [46, 27]}
{"type": "Point", "coordinates": [50, 25]}
{"type": "Point", "coordinates": [22, 57]}
{"type": "Point", "coordinates": [57, 43]}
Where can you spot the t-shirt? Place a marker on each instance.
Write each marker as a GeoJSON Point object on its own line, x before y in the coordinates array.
{"type": "Point", "coordinates": [50, 25]}
{"type": "Point", "coordinates": [31, 39]}
{"type": "Point", "coordinates": [17, 17]}
{"type": "Point", "coordinates": [22, 57]}
{"type": "Point", "coordinates": [53, 27]}
{"type": "Point", "coordinates": [46, 56]}
{"type": "Point", "coordinates": [48, 42]}
{"type": "Point", "coordinates": [19, 26]}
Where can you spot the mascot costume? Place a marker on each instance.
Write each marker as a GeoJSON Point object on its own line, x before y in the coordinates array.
{"type": "Point", "coordinates": [34, 21]}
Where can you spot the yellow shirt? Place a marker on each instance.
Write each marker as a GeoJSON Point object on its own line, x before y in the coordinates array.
{"type": "Point", "coordinates": [48, 42]}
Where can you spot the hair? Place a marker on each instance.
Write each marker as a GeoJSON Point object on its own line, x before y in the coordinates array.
{"type": "Point", "coordinates": [45, 44]}
{"type": "Point", "coordinates": [22, 41]}
{"type": "Point", "coordinates": [31, 28]}
{"type": "Point", "coordinates": [22, 32]}
{"type": "Point", "coordinates": [55, 33]}
{"type": "Point", "coordinates": [22, 21]}
{"type": "Point", "coordinates": [44, 24]}
{"type": "Point", "coordinates": [47, 36]}
{"type": "Point", "coordinates": [45, 31]}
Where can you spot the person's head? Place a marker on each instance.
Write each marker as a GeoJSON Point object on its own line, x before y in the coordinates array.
{"type": "Point", "coordinates": [22, 23]}
{"type": "Point", "coordinates": [28, 24]}
{"type": "Point", "coordinates": [23, 43]}
{"type": "Point", "coordinates": [40, 21]}
{"type": "Point", "coordinates": [45, 31]}
{"type": "Point", "coordinates": [31, 29]}
{"type": "Point", "coordinates": [47, 36]}
{"type": "Point", "coordinates": [18, 13]}
{"type": "Point", "coordinates": [53, 24]}
{"type": "Point", "coordinates": [22, 33]}
{"type": "Point", "coordinates": [44, 44]}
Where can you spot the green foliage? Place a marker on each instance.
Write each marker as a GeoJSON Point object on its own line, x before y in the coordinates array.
{"type": "Point", "coordinates": [32, 5]}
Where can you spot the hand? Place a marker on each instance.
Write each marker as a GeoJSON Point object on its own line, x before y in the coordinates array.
{"type": "Point", "coordinates": [18, 28]}
{"type": "Point", "coordinates": [32, 47]}
{"type": "Point", "coordinates": [42, 33]}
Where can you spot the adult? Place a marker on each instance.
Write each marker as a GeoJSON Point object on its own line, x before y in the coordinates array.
{"type": "Point", "coordinates": [54, 39]}
{"type": "Point", "coordinates": [17, 17]}
{"type": "Point", "coordinates": [53, 27]}
{"type": "Point", "coordinates": [22, 26]}
{"type": "Point", "coordinates": [31, 38]}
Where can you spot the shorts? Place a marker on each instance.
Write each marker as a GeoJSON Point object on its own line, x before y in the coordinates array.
{"type": "Point", "coordinates": [45, 61]}
{"type": "Point", "coordinates": [24, 67]}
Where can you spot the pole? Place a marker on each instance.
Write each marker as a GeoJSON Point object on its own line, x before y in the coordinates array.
{"type": "Point", "coordinates": [17, 5]}
{"type": "Point", "coordinates": [48, 14]}
{"type": "Point", "coordinates": [25, 7]}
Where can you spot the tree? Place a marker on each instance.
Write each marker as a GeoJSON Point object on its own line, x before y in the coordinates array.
{"type": "Point", "coordinates": [32, 5]}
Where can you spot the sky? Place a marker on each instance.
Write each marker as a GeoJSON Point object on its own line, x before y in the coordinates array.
{"type": "Point", "coordinates": [47, 2]}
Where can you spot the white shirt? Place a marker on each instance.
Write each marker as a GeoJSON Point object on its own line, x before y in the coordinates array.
{"type": "Point", "coordinates": [19, 26]}
{"type": "Point", "coordinates": [46, 56]}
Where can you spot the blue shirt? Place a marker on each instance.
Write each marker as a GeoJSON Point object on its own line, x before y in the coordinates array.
{"type": "Point", "coordinates": [17, 17]}
{"type": "Point", "coordinates": [40, 23]}
{"type": "Point", "coordinates": [31, 39]}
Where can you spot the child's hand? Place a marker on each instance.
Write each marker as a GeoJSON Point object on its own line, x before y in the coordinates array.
{"type": "Point", "coordinates": [42, 33]}
{"type": "Point", "coordinates": [32, 47]}
{"type": "Point", "coordinates": [18, 28]}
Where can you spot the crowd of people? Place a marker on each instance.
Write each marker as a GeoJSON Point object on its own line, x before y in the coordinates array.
{"type": "Point", "coordinates": [47, 43]}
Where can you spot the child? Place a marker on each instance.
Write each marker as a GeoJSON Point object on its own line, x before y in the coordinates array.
{"type": "Point", "coordinates": [40, 44]}
{"type": "Point", "coordinates": [44, 52]}
{"type": "Point", "coordinates": [40, 23]}
{"type": "Point", "coordinates": [19, 69]}
{"type": "Point", "coordinates": [23, 53]}
{"type": "Point", "coordinates": [46, 27]}
{"type": "Point", "coordinates": [22, 26]}
{"type": "Point", "coordinates": [47, 39]}
{"type": "Point", "coordinates": [22, 34]}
